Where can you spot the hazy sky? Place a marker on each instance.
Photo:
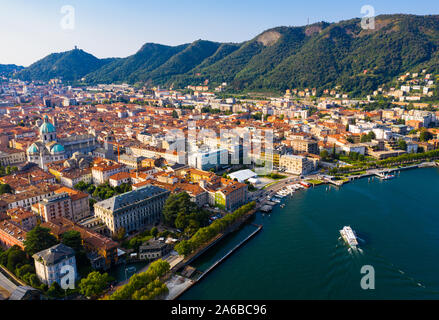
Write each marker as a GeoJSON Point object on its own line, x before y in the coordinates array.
{"type": "Point", "coordinates": [29, 30]}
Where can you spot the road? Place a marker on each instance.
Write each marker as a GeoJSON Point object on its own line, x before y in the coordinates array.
{"type": "Point", "coordinates": [6, 286]}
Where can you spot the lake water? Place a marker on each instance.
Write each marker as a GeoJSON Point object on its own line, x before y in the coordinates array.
{"type": "Point", "coordinates": [299, 254]}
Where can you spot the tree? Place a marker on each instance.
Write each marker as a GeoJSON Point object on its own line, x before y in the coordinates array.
{"type": "Point", "coordinates": [73, 240]}
{"type": "Point", "coordinates": [144, 286]}
{"type": "Point", "coordinates": [5, 188]}
{"type": "Point", "coordinates": [55, 291]}
{"type": "Point", "coordinates": [94, 285]}
{"type": "Point", "coordinates": [39, 239]}
{"type": "Point", "coordinates": [14, 258]}
{"type": "Point", "coordinates": [324, 155]}
{"type": "Point", "coordinates": [425, 136]}
{"type": "Point", "coordinates": [203, 235]}
{"type": "Point", "coordinates": [91, 203]}
{"type": "Point", "coordinates": [24, 270]}
{"type": "Point", "coordinates": [371, 135]}
{"type": "Point", "coordinates": [368, 137]}
{"type": "Point", "coordinates": [154, 232]}
{"type": "Point", "coordinates": [174, 114]}
{"type": "Point", "coordinates": [180, 212]}
{"type": "Point", "coordinates": [402, 145]}
{"type": "Point", "coordinates": [10, 169]}
{"type": "Point", "coordinates": [81, 186]}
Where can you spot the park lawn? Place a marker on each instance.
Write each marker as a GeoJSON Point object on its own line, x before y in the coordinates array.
{"type": "Point", "coordinates": [315, 182]}
{"type": "Point", "coordinates": [274, 176]}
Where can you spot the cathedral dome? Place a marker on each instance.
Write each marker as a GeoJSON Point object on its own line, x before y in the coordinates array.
{"type": "Point", "coordinates": [57, 148]}
{"type": "Point", "coordinates": [32, 149]}
{"type": "Point", "coordinates": [47, 127]}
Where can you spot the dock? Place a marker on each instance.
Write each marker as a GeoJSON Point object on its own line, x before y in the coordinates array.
{"type": "Point", "coordinates": [337, 183]}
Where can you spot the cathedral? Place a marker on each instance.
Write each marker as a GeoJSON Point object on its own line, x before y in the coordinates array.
{"type": "Point", "coordinates": [49, 148]}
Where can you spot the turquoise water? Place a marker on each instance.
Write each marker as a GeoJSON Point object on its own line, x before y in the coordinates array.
{"type": "Point", "coordinates": [298, 254]}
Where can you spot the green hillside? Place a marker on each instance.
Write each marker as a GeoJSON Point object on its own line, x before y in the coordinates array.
{"type": "Point", "coordinates": [322, 55]}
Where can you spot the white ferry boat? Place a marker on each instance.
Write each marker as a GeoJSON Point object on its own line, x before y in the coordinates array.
{"type": "Point", "coordinates": [349, 236]}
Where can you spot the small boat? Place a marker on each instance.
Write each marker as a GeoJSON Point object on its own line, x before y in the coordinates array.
{"type": "Point", "coordinates": [305, 184]}
{"type": "Point", "coordinates": [274, 199]}
{"type": "Point", "coordinates": [349, 237]}
{"type": "Point", "coordinates": [280, 195]}
{"type": "Point", "coordinates": [388, 176]}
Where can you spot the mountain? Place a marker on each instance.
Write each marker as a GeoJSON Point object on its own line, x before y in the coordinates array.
{"type": "Point", "coordinates": [322, 56]}
{"type": "Point", "coordinates": [137, 66]}
{"type": "Point", "coordinates": [70, 66]}
{"type": "Point", "coordinates": [156, 63]}
{"type": "Point", "coordinates": [9, 69]}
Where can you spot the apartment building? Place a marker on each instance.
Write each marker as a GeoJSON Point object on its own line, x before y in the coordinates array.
{"type": "Point", "coordinates": [101, 173]}
{"type": "Point", "coordinates": [231, 195]}
{"type": "Point", "coordinates": [27, 199]}
{"type": "Point", "coordinates": [304, 146]}
{"type": "Point", "coordinates": [298, 164]}
{"type": "Point", "coordinates": [11, 156]}
{"type": "Point", "coordinates": [12, 234]}
{"type": "Point", "coordinates": [72, 177]}
{"type": "Point", "coordinates": [24, 218]}
{"type": "Point", "coordinates": [80, 203]}
{"type": "Point", "coordinates": [131, 162]}
{"type": "Point", "coordinates": [54, 207]}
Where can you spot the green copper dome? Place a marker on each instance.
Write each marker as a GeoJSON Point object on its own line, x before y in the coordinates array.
{"type": "Point", "coordinates": [47, 127]}
{"type": "Point", "coordinates": [32, 149]}
{"type": "Point", "coordinates": [57, 148]}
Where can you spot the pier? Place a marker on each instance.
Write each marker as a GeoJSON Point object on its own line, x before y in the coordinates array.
{"type": "Point", "coordinates": [227, 255]}
{"type": "Point", "coordinates": [230, 252]}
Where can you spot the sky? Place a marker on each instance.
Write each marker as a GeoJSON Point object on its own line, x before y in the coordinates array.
{"type": "Point", "coordinates": [30, 30]}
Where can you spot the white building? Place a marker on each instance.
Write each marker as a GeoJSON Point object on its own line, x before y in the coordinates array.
{"type": "Point", "coordinates": [242, 175]}
{"type": "Point", "coordinates": [207, 160]}
{"type": "Point", "coordinates": [49, 263]}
